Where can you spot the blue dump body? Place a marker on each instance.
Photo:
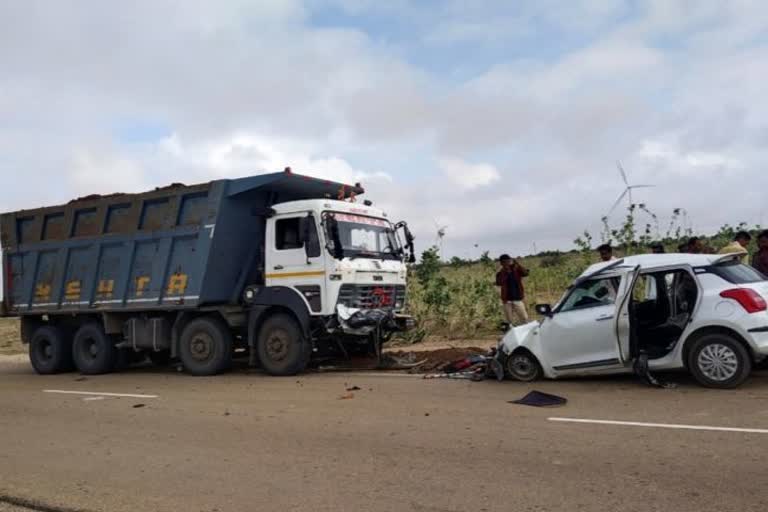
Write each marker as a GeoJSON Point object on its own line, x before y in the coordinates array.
{"type": "Point", "coordinates": [172, 248]}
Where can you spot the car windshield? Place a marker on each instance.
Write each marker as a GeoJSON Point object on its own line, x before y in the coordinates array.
{"type": "Point", "coordinates": [590, 293]}
{"type": "Point", "coordinates": [736, 273]}
{"type": "Point", "coordinates": [366, 237]}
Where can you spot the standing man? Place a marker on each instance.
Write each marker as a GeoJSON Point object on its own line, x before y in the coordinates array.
{"type": "Point", "coordinates": [738, 245]}
{"type": "Point", "coordinates": [760, 259]}
{"type": "Point", "coordinates": [657, 248]}
{"type": "Point", "coordinates": [510, 279]}
{"type": "Point", "coordinates": [606, 252]}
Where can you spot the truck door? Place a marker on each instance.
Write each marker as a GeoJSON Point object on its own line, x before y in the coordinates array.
{"type": "Point", "coordinates": [294, 257]}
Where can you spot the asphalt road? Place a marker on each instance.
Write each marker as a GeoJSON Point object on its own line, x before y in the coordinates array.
{"type": "Point", "coordinates": [247, 442]}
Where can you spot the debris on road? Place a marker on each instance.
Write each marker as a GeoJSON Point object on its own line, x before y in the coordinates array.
{"type": "Point", "coordinates": [641, 370]}
{"type": "Point", "coordinates": [475, 367]}
{"type": "Point", "coordinates": [354, 388]}
{"type": "Point", "coordinates": [348, 396]}
{"type": "Point", "coordinates": [539, 399]}
{"type": "Point", "coordinates": [137, 406]}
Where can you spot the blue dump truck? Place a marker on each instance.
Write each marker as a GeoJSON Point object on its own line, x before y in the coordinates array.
{"type": "Point", "coordinates": [280, 267]}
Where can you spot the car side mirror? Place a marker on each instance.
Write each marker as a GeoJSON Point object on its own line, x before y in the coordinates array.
{"type": "Point", "coordinates": [544, 310]}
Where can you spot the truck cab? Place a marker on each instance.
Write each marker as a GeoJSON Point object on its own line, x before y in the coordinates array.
{"type": "Point", "coordinates": [335, 253]}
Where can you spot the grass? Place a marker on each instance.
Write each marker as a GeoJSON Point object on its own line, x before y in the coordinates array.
{"type": "Point", "coordinates": [471, 307]}
{"type": "Point", "coordinates": [10, 341]}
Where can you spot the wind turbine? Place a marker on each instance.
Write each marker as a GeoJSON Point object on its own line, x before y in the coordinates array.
{"type": "Point", "coordinates": [627, 191]}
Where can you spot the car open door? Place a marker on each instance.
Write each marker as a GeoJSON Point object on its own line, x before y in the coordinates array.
{"type": "Point", "coordinates": [623, 317]}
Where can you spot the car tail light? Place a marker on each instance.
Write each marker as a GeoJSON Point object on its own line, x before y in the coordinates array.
{"type": "Point", "coordinates": [749, 299]}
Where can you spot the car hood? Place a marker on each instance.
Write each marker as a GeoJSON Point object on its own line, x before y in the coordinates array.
{"type": "Point", "coordinates": [518, 336]}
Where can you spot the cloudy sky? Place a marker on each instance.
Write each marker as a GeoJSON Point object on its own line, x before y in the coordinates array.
{"type": "Point", "coordinates": [502, 120]}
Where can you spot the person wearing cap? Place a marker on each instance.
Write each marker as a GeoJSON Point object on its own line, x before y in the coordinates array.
{"type": "Point", "coordinates": [510, 280]}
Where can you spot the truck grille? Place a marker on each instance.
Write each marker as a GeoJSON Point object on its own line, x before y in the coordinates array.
{"type": "Point", "coordinates": [372, 296]}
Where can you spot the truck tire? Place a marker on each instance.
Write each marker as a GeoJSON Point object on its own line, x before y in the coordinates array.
{"type": "Point", "coordinates": [93, 351]}
{"type": "Point", "coordinates": [205, 347]}
{"type": "Point", "coordinates": [718, 360]}
{"type": "Point", "coordinates": [281, 347]}
{"type": "Point", "coordinates": [50, 351]}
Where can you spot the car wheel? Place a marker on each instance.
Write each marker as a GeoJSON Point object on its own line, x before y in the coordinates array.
{"type": "Point", "coordinates": [205, 347]}
{"type": "Point", "coordinates": [719, 361]}
{"type": "Point", "coordinates": [523, 366]}
{"type": "Point", "coordinates": [93, 351]}
{"type": "Point", "coordinates": [282, 349]}
{"type": "Point", "coordinates": [50, 351]}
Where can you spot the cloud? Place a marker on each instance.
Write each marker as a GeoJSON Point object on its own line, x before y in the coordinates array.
{"type": "Point", "coordinates": [93, 171]}
{"type": "Point", "coordinates": [523, 109]}
{"type": "Point", "coordinates": [467, 175]}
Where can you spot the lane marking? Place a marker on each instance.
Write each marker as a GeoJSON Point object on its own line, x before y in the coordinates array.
{"type": "Point", "coordinates": [94, 393]}
{"type": "Point", "coordinates": [90, 398]}
{"type": "Point", "coordinates": [662, 425]}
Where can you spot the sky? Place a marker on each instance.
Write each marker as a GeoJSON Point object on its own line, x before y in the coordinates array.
{"type": "Point", "coordinates": [501, 120]}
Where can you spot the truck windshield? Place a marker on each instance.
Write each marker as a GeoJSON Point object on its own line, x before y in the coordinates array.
{"type": "Point", "coordinates": [366, 237]}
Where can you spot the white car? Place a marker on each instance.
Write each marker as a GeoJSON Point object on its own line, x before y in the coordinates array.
{"type": "Point", "coordinates": [702, 313]}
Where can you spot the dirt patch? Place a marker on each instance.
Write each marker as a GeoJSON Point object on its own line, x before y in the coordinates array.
{"type": "Point", "coordinates": [10, 340]}
{"type": "Point", "coordinates": [435, 360]}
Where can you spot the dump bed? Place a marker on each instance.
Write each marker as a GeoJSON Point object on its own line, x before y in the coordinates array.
{"type": "Point", "coordinates": [174, 247]}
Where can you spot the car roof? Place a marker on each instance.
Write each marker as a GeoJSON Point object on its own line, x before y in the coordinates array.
{"type": "Point", "coordinates": [650, 261]}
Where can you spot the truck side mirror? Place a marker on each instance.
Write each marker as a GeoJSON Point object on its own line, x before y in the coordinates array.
{"type": "Point", "coordinates": [334, 239]}
{"type": "Point", "coordinates": [304, 226]}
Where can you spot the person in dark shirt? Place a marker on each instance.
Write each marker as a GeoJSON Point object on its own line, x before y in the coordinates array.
{"type": "Point", "coordinates": [760, 259]}
{"type": "Point", "coordinates": [657, 248]}
{"type": "Point", "coordinates": [510, 280]}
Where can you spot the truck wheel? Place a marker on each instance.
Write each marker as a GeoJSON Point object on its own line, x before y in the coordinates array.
{"type": "Point", "coordinates": [50, 351]}
{"type": "Point", "coordinates": [281, 348]}
{"type": "Point", "coordinates": [719, 361]}
{"type": "Point", "coordinates": [205, 347]}
{"type": "Point", "coordinates": [93, 351]}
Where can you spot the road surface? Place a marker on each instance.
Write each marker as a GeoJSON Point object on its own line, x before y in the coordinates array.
{"type": "Point", "coordinates": [244, 442]}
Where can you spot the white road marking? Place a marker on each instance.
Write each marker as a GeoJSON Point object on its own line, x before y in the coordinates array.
{"type": "Point", "coordinates": [662, 425]}
{"type": "Point", "coordinates": [94, 393]}
{"type": "Point", "coordinates": [90, 398]}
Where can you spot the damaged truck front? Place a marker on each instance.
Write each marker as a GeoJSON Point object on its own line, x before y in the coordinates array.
{"type": "Point", "coordinates": [281, 266]}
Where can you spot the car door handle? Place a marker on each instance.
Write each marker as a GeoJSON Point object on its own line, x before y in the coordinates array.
{"type": "Point", "coordinates": [603, 318]}
{"type": "Point", "coordinates": [278, 267]}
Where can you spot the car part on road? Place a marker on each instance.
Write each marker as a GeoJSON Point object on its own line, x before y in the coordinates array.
{"type": "Point", "coordinates": [205, 347]}
{"type": "Point", "coordinates": [49, 350]}
{"type": "Point", "coordinates": [718, 360]}
{"type": "Point", "coordinates": [640, 368]}
{"type": "Point", "coordinates": [539, 399]}
{"type": "Point", "coordinates": [93, 351]}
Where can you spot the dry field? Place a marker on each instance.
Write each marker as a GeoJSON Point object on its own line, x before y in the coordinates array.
{"type": "Point", "coordinates": [9, 337]}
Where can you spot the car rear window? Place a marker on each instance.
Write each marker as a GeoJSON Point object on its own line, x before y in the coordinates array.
{"type": "Point", "coordinates": [736, 273]}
